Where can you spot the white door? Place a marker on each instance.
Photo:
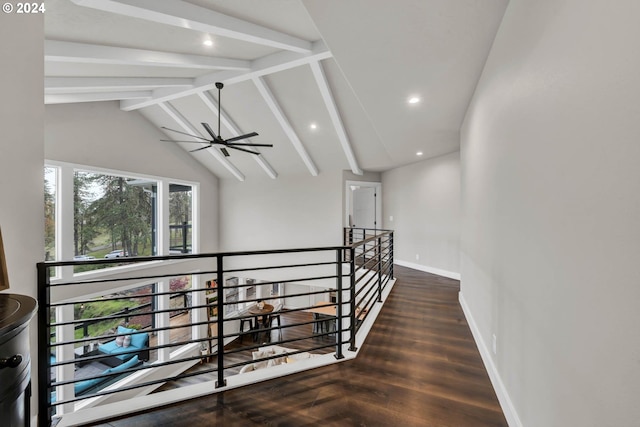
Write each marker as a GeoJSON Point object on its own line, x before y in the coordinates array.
{"type": "Point", "coordinates": [364, 207]}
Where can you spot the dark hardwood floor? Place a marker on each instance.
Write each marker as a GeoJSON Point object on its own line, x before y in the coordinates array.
{"type": "Point", "coordinates": [418, 367]}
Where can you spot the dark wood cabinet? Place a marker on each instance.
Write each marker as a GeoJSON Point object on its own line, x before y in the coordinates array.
{"type": "Point", "coordinates": [15, 361]}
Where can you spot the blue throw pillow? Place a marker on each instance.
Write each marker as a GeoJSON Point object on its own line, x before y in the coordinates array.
{"type": "Point", "coordinates": [138, 339]}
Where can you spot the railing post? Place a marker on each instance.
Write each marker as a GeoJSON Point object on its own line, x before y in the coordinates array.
{"type": "Point", "coordinates": [379, 251]}
{"type": "Point", "coordinates": [339, 256]}
{"type": "Point", "coordinates": [184, 237]}
{"type": "Point", "coordinates": [391, 253]}
{"type": "Point", "coordinates": [44, 334]}
{"type": "Point", "coordinates": [352, 298]}
{"type": "Point", "coordinates": [221, 382]}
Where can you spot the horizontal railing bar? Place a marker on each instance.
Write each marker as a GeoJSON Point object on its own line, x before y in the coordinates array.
{"type": "Point", "coordinates": [145, 384]}
{"type": "Point", "coordinates": [180, 292]}
{"type": "Point", "coordinates": [214, 255]}
{"type": "Point", "coordinates": [132, 279]}
{"type": "Point", "coordinates": [279, 267]}
{"type": "Point", "coordinates": [373, 252]}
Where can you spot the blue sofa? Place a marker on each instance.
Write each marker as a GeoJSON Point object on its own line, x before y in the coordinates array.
{"type": "Point", "coordinates": [139, 342]}
{"type": "Point", "coordinates": [96, 384]}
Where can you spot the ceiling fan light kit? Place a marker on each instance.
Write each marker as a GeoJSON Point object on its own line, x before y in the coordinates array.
{"type": "Point", "coordinates": [217, 139]}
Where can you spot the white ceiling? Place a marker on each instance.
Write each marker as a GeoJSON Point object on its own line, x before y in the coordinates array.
{"type": "Point", "coordinates": [346, 65]}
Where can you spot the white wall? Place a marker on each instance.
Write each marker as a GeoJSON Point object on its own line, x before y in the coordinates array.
{"type": "Point", "coordinates": [424, 200]}
{"type": "Point", "coordinates": [21, 156]}
{"type": "Point", "coordinates": [288, 212]}
{"type": "Point", "coordinates": [21, 148]}
{"type": "Point", "coordinates": [551, 209]}
{"type": "Point", "coordinates": [100, 134]}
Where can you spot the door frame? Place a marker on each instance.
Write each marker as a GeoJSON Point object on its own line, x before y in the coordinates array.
{"type": "Point", "coordinates": [348, 208]}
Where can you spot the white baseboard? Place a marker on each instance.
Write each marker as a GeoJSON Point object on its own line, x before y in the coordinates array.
{"type": "Point", "coordinates": [427, 269]}
{"type": "Point", "coordinates": [503, 396]}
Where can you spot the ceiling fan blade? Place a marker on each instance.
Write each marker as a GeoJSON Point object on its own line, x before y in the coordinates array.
{"type": "Point", "coordinates": [236, 138]}
{"type": "Point", "coordinates": [208, 128]}
{"type": "Point", "coordinates": [225, 152]}
{"type": "Point", "coordinates": [248, 144]}
{"type": "Point", "coordinates": [188, 134]}
{"type": "Point", "coordinates": [190, 142]}
{"type": "Point", "coordinates": [201, 148]}
{"type": "Point", "coordinates": [242, 149]}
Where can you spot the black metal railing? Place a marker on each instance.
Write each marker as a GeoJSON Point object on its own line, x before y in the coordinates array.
{"type": "Point", "coordinates": [211, 343]}
{"type": "Point", "coordinates": [180, 238]}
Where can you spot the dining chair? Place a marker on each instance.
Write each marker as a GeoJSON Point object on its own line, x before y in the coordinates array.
{"type": "Point", "coordinates": [242, 323]}
{"type": "Point", "coordinates": [275, 315]}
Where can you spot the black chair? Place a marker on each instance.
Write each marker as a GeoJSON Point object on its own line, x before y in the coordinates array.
{"type": "Point", "coordinates": [242, 323]}
{"type": "Point", "coordinates": [275, 315]}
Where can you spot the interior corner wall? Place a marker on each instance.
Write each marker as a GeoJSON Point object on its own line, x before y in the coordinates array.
{"type": "Point", "coordinates": [22, 148]}
{"type": "Point", "coordinates": [424, 200]}
{"type": "Point", "coordinates": [22, 157]}
{"type": "Point", "coordinates": [100, 134]}
{"type": "Point", "coordinates": [287, 212]}
{"type": "Point", "coordinates": [550, 213]}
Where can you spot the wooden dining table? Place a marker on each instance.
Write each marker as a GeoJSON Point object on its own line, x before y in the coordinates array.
{"type": "Point", "coordinates": [324, 307]}
{"type": "Point", "coordinates": [263, 313]}
{"type": "Point", "coordinates": [330, 309]}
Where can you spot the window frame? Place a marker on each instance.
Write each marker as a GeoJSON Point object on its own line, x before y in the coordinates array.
{"type": "Point", "coordinates": [64, 213]}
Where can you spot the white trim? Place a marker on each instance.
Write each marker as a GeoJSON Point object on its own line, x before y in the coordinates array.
{"type": "Point", "coordinates": [348, 200]}
{"type": "Point", "coordinates": [427, 269]}
{"type": "Point", "coordinates": [506, 403]}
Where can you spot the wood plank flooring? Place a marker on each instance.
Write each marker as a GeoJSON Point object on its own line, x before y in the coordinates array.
{"type": "Point", "coordinates": [418, 367]}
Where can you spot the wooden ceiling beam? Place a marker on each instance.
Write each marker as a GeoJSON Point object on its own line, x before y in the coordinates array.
{"type": "Point", "coordinates": [285, 124]}
{"type": "Point", "coordinates": [185, 15]}
{"type": "Point", "coordinates": [70, 85]}
{"type": "Point", "coordinates": [83, 53]}
{"type": "Point", "coordinates": [327, 96]}
{"type": "Point", "coordinates": [269, 64]}
{"type": "Point", "coordinates": [69, 98]}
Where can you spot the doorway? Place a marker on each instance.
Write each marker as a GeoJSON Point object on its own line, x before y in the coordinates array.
{"type": "Point", "coordinates": [363, 204]}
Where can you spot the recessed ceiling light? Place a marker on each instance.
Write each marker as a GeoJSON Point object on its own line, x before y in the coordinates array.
{"type": "Point", "coordinates": [313, 126]}
{"type": "Point", "coordinates": [419, 153]}
{"type": "Point", "coordinates": [208, 42]}
{"type": "Point", "coordinates": [413, 100]}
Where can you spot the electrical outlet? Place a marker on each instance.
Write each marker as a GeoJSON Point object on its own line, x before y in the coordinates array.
{"type": "Point", "coordinates": [417, 257]}
{"type": "Point", "coordinates": [494, 344]}
{"type": "Point", "coordinates": [391, 218]}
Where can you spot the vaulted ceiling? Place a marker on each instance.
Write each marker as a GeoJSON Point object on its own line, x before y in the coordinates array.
{"type": "Point", "coordinates": [344, 67]}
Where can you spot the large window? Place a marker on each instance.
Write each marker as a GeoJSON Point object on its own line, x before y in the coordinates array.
{"type": "Point", "coordinates": [50, 187]}
{"type": "Point", "coordinates": [113, 215]}
{"type": "Point", "coordinates": [180, 218]}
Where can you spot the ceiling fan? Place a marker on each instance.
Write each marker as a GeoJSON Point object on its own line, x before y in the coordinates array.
{"type": "Point", "coordinates": [217, 139]}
